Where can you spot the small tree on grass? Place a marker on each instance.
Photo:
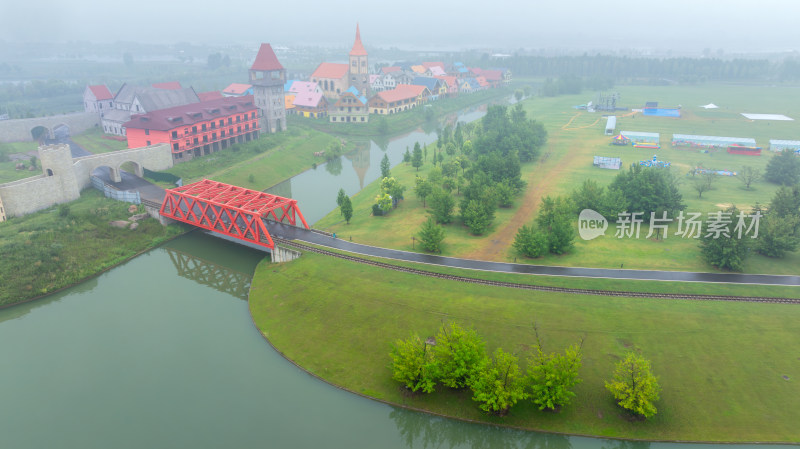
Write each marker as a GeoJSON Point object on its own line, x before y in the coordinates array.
{"type": "Point", "coordinates": [498, 385]}
{"type": "Point", "coordinates": [384, 203]}
{"type": "Point", "coordinates": [407, 156]}
{"type": "Point", "coordinates": [476, 217]}
{"type": "Point", "coordinates": [340, 197]}
{"type": "Point", "coordinates": [460, 354]}
{"type": "Point", "coordinates": [413, 364]}
{"type": "Point", "coordinates": [749, 175]}
{"type": "Point", "coordinates": [704, 182]}
{"type": "Point", "coordinates": [423, 189]}
{"type": "Point", "coordinates": [719, 243]}
{"type": "Point", "coordinates": [416, 157]}
{"type": "Point", "coordinates": [347, 209]}
{"type": "Point", "coordinates": [385, 167]}
{"type": "Point", "coordinates": [634, 386]}
{"type": "Point", "coordinates": [552, 376]}
{"type": "Point", "coordinates": [530, 242]}
{"type": "Point", "coordinates": [431, 236]}
{"type": "Point", "coordinates": [442, 205]}
{"type": "Point", "coordinates": [783, 168]}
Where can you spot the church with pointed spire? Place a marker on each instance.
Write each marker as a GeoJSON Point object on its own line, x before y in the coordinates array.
{"type": "Point", "coordinates": [358, 72]}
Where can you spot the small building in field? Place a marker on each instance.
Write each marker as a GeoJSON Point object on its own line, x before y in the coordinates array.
{"type": "Point", "coordinates": [350, 108]}
{"type": "Point", "coordinates": [780, 145]}
{"type": "Point", "coordinates": [611, 125]}
{"type": "Point", "coordinates": [641, 137]}
{"type": "Point", "coordinates": [97, 98]}
{"type": "Point", "coordinates": [686, 140]}
{"type": "Point", "coordinates": [197, 129]}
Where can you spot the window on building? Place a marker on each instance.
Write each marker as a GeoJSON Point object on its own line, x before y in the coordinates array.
{"type": "Point", "coordinates": [222, 133]}
{"type": "Point", "coordinates": [253, 114]}
{"type": "Point", "coordinates": [175, 147]}
{"type": "Point", "coordinates": [230, 120]}
{"type": "Point", "coordinates": [146, 132]}
{"type": "Point", "coordinates": [196, 141]}
{"type": "Point", "coordinates": [222, 122]}
{"type": "Point", "coordinates": [148, 143]}
{"type": "Point", "coordinates": [194, 129]}
{"type": "Point", "coordinates": [174, 134]}
{"type": "Point", "coordinates": [203, 127]}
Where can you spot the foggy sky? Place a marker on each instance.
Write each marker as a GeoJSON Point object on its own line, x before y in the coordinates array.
{"type": "Point", "coordinates": [732, 25]}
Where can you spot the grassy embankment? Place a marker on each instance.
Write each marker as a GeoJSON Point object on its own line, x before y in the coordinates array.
{"type": "Point", "coordinates": [94, 142]}
{"type": "Point", "coordinates": [721, 365]}
{"type": "Point", "coordinates": [46, 251]}
{"type": "Point", "coordinates": [8, 171]}
{"type": "Point", "coordinates": [574, 137]}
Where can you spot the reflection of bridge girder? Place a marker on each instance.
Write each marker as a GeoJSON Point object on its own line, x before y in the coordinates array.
{"type": "Point", "coordinates": [203, 272]}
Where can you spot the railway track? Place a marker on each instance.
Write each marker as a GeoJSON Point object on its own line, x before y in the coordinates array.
{"type": "Point", "coordinates": [579, 291]}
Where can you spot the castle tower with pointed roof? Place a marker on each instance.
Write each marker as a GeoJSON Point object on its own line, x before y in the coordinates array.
{"type": "Point", "coordinates": [359, 66]}
{"type": "Point", "coordinates": [268, 76]}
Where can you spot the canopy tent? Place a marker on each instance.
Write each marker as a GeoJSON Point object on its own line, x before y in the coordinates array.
{"type": "Point", "coordinates": [619, 139]}
{"type": "Point", "coordinates": [710, 106]}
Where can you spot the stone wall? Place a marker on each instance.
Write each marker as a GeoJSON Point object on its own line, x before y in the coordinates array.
{"type": "Point", "coordinates": [19, 130]}
{"type": "Point", "coordinates": [280, 254]}
{"type": "Point", "coordinates": [63, 178]}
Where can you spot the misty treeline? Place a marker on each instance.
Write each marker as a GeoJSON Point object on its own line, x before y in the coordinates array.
{"type": "Point", "coordinates": [621, 68]}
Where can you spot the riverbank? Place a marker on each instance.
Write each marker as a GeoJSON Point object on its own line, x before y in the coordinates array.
{"type": "Point", "coordinates": [64, 245]}
{"type": "Point", "coordinates": [721, 364]}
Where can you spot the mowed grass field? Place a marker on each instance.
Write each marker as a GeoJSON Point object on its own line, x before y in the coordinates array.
{"type": "Point", "coordinates": [729, 371]}
{"type": "Point", "coordinates": [574, 137]}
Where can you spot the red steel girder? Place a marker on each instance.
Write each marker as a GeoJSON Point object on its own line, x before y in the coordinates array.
{"type": "Point", "coordinates": [230, 210]}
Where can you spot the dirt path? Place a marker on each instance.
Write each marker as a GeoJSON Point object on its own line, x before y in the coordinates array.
{"type": "Point", "coordinates": [546, 175]}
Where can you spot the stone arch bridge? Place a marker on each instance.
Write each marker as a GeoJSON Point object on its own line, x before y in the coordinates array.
{"type": "Point", "coordinates": [63, 177]}
{"type": "Point", "coordinates": [30, 129]}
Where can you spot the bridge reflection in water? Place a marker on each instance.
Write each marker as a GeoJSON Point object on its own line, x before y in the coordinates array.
{"type": "Point", "coordinates": [222, 279]}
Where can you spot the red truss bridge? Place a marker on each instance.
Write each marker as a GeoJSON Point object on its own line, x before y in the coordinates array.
{"type": "Point", "coordinates": [230, 210]}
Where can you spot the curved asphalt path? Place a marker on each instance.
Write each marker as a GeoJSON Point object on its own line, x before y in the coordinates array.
{"type": "Point", "coordinates": [295, 233]}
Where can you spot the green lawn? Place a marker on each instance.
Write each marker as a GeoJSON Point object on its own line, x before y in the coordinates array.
{"type": "Point", "coordinates": [8, 171]}
{"type": "Point", "coordinates": [574, 137]}
{"type": "Point", "coordinates": [45, 251]}
{"type": "Point", "coordinates": [94, 142]}
{"type": "Point", "coordinates": [721, 365]}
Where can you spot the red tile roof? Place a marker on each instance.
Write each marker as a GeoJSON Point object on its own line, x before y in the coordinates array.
{"type": "Point", "coordinates": [101, 92]}
{"type": "Point", "coordinates": [358, 47]}
{"type": "Point", "coordinates": [433, 64]}
{"type": "Point", "coordinates": [266, 60]}
{"type": "Point", "coordinates": [208, 96]}
{"type": "Point", "coordinates": [490, 75]}
{"type": "Point", "coordinates": [401, 92]}
{"type": "Point", "coordinates": [171, 85]}
{"type": "Point", "coordinates": [237, 88]}
{"type": "Point", "coordinates": [179, 116]}
{"type": "Point", "coordinates": [330, 70]}
{"type": "Point", "coordinates": [386, 70]}
{"type": "Point", "coordinates": [451, 81]}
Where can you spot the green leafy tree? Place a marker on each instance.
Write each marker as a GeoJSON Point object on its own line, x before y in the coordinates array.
{"type": "Point", "coordinates": [783, 168]}
{"type": "Point", "coordinates": [413, 364]}
{"type": "Point", "coordinates": [634, 386]}
{"type": "Point", "coordinates": [385, 167]}
{"type": "Point", "coordinates": [786, 202]}
{"type": "Point", "coordinates": [518, 94]}
{"type": "Point", "coordinates": [416, 157]}
{"type": "Point", "coordinates": [553, 375]}
{"type": "Point", "coordinates": [476, 217]}
{"type": "Point", "coordinates": [423, 189]}
{"type": "Point", "coordinates": [460, 354]}
{"type": "Point", "coordinates": [450, 148]}
{"type": "Point", "coordinates": [499, 384]}
{"type": "Point", "coordinates": [505, 194]}
{"type": "Point", "coordinates": [340, 197]}
{"type": "Point", "coordinates": [748, 175]}
{"type": "Point", "coordinates": [530, 242]}
{"type": "Point", "coordinates": [393, 188]}
{"type": "Point", "coordinates": [347, 209]}
{"type": "Point", "coordinates": [649, 189]}
{"type": "Point", "coordinates": [458, 136]}
{"type": "Point", "coordinates": [442, 205]}
{"type": "Point", "coordinates": [777, 235]}
{"type": "Point", "coordinates": [407, 156]}
{"type": "Point", "coordinates": [431, 236]}
{"type": "Point", "coordinates": [451, 168]}
{"type": "Point", "coordinates": [555, 220]}
{"type": "Point", "coordinates": [384, 203]}
{"type": "Point", "coordinates": [467, 148]}
{"type": "Point", "coordinates": [719, 242]}
{"type": "Point", "coordinates": [588, 196]}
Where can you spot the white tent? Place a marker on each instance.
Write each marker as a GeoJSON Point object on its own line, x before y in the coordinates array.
{"type": "Point", "coordinates": [710, 106]}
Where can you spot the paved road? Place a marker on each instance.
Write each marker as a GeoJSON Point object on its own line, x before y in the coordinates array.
{"type": "Point", "coordinates": [146, 189]}
{"type": "Point", "coordinates": [291, 232]}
